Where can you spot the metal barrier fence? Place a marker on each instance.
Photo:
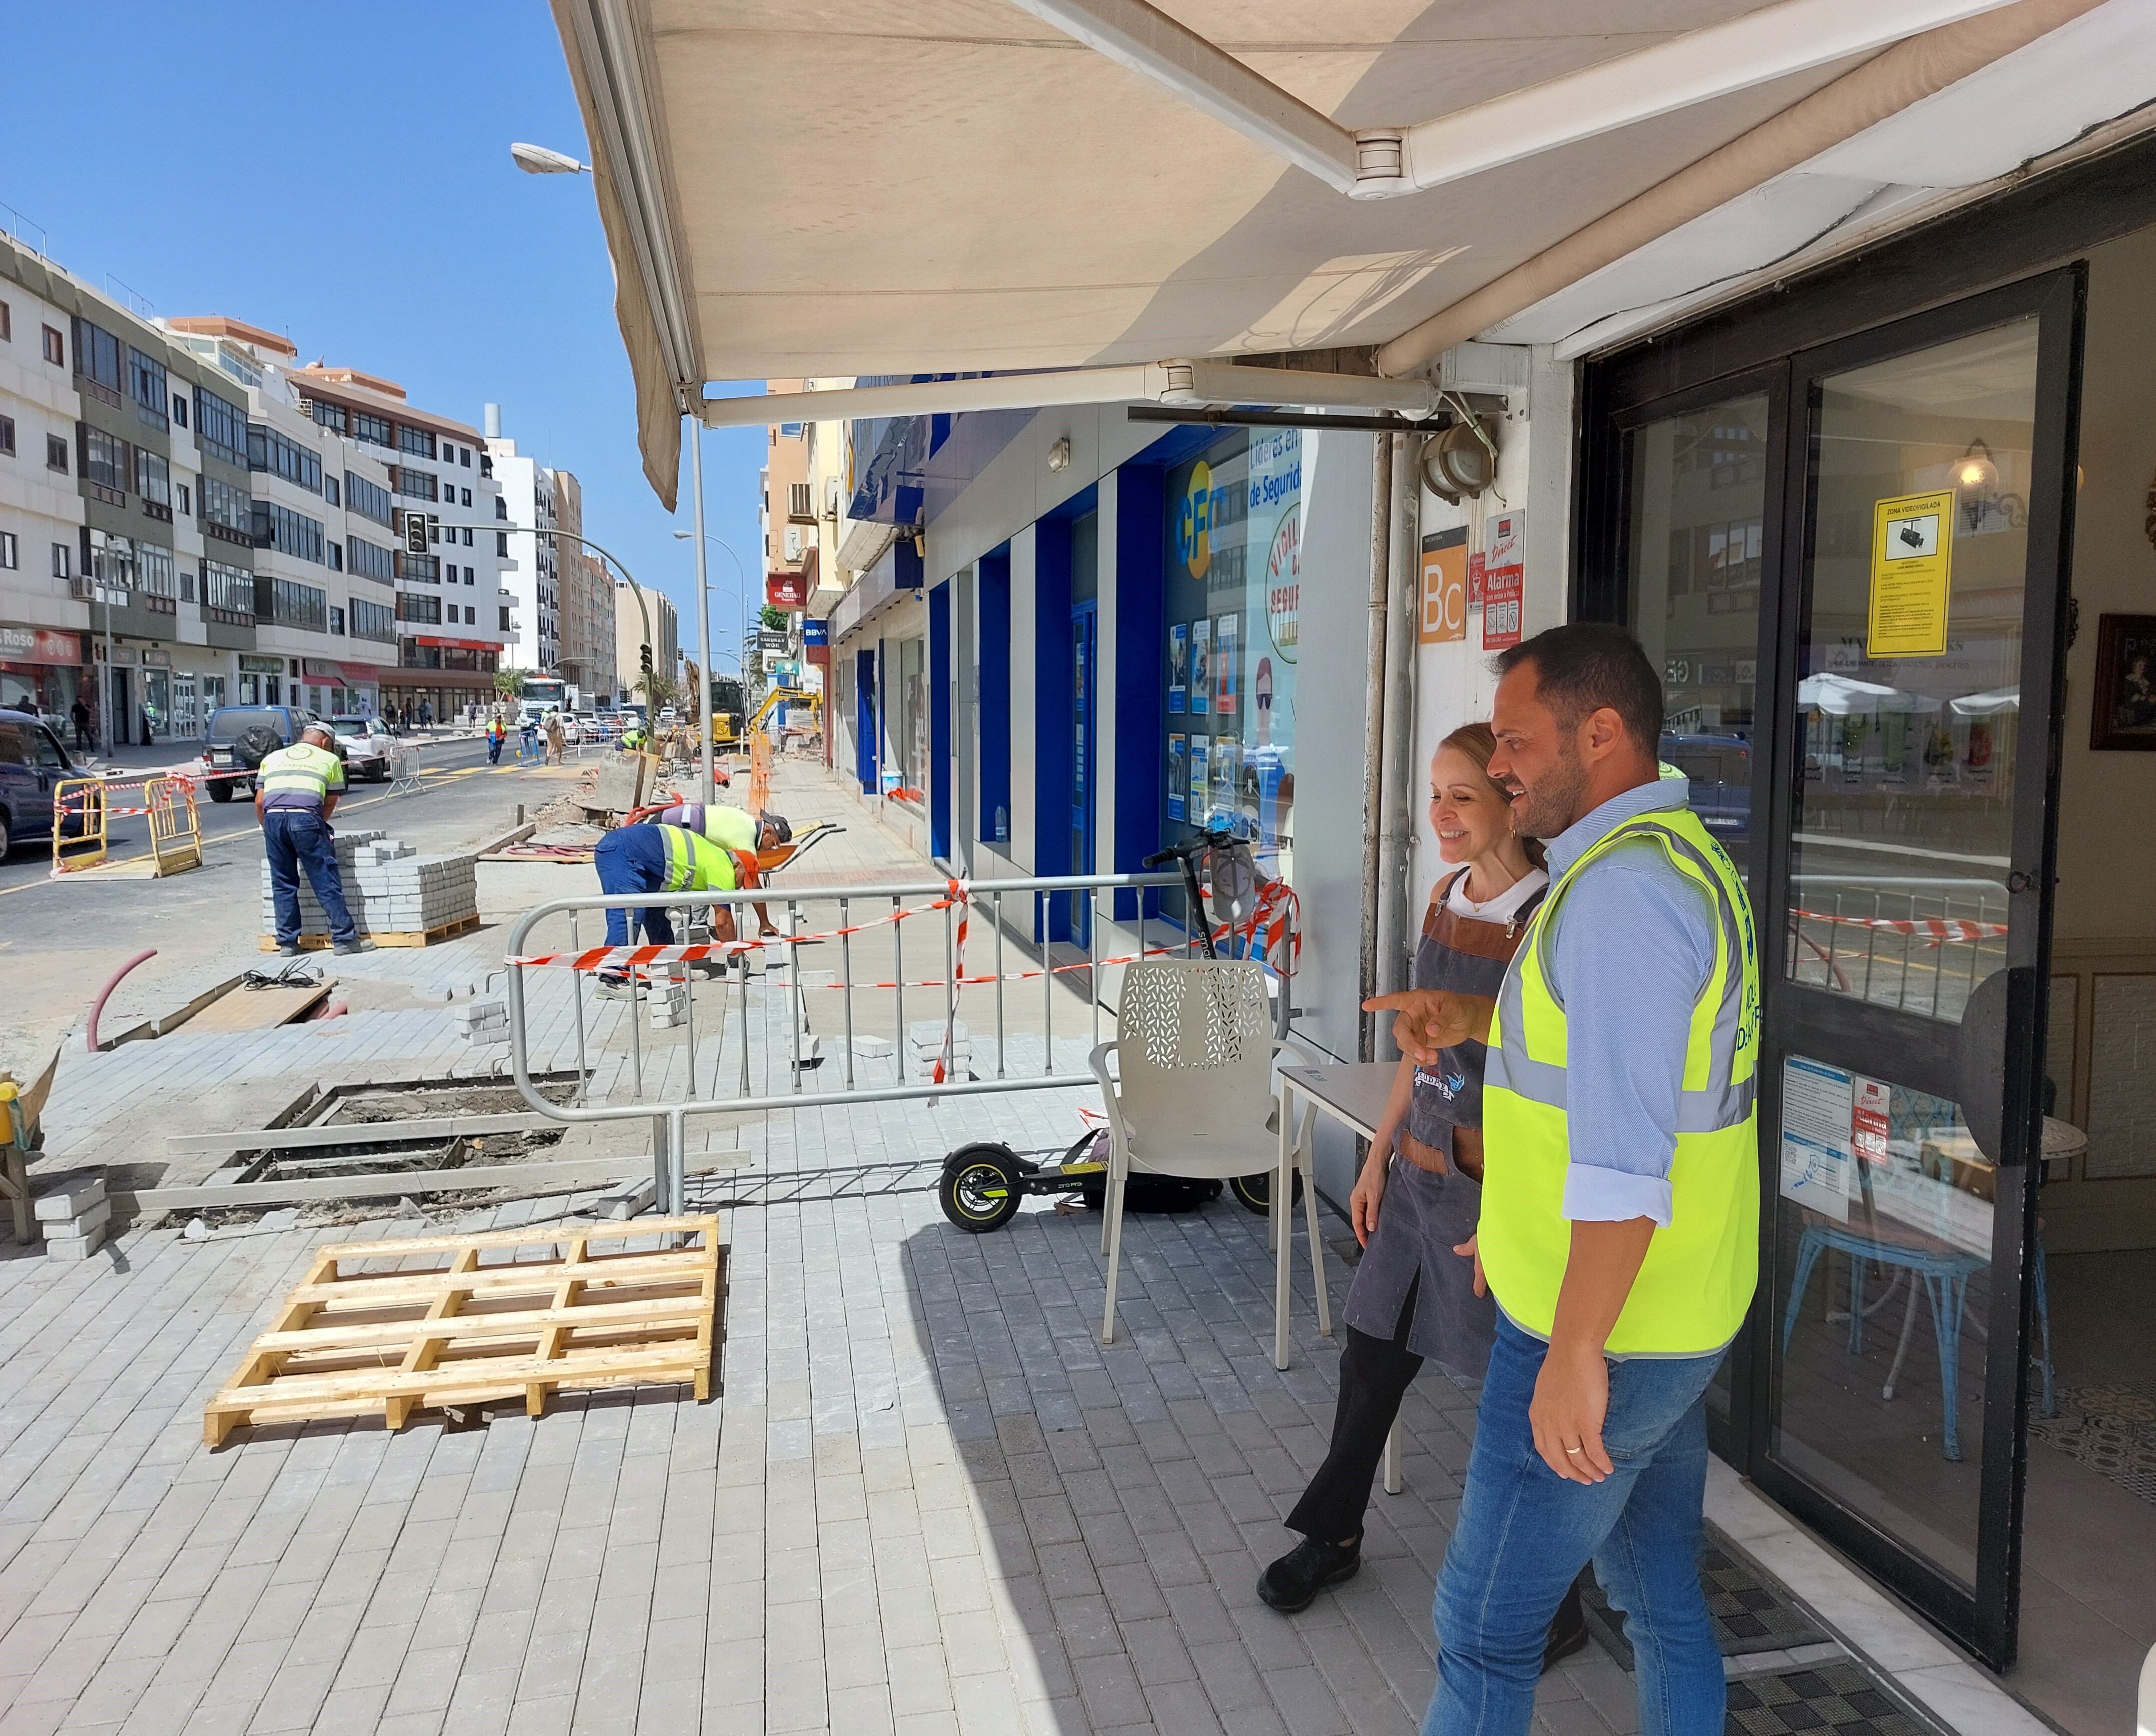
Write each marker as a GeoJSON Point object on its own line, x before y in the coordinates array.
{"type": "Point", "coordinates": [1047, 904]}
{"type": "Point", "coordinates": [1920, 943]}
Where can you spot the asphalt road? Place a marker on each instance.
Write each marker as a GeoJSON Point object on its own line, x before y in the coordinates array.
{"type": "Point", "coordinates": [30, 860]}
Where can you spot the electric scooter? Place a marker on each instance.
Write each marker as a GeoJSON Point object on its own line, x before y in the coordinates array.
{"type": "Point", "coordinates": [984, 1183]}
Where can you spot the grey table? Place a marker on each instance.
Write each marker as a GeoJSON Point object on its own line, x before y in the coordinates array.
{"type": "Point", "coordinates": [1353, 1093]}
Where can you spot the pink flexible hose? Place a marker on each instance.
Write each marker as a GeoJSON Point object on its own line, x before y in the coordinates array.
{"type": "Point", "coordinates": [98, 1006]}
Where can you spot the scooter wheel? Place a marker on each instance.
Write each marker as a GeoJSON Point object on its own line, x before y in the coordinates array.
{"type": "Point", "coordinates": [1255, 1192]}
{"type": "Point", "coordinates": [981, 1187]}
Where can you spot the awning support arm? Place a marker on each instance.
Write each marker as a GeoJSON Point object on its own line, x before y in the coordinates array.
{"type": "Point", "coordinates": [1757, 47]}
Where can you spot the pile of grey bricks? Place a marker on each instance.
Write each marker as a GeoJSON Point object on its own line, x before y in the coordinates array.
{"type": "Point", "coordinates": [72, 1214]}
{"type": "Point", "coordinates": [483, 1022]}
{"type": "Point", "coordinates": [389, 887]}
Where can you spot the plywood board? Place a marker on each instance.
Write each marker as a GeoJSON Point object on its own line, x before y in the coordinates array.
{"type": "Point", "coordinates": [258, 1008]}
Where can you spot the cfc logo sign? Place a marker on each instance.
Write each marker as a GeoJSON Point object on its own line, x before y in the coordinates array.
{"type": "Point", "coordinates": [1193, 522]}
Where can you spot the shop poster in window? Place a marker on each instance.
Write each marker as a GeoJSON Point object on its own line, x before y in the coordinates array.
{"type": "Point", "coordinates": [1227, 633]}
{"type": "Point", "coordinates": [1817, 1155]}
{"type": "Point", "coordinates": [1178, 666]}
{"type": "Point", "coordinates": [1178, 775]}
{"type": "Point", "coordinates": [1233, 535]}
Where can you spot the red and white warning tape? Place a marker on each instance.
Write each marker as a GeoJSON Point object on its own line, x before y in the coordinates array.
{"type": "Point", "coordinates": [1938, 931]}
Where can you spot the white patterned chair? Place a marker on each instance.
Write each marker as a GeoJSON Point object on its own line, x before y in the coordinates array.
{"type": "Point", "coordinates": [1191, 1093]}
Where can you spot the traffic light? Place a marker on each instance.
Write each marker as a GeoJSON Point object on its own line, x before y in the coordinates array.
{"type": "Point", "coordinates": [647, 659]}
{"type": "Point", "coordinates": [415, 533]}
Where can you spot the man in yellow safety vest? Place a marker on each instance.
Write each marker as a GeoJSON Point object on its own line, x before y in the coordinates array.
{"type": "Point", "coordinates": [295, 792]}
{"type": "Point", "coordinates": [660, 859]}
{"type": "Point", "coordinates": [1621, 1204]}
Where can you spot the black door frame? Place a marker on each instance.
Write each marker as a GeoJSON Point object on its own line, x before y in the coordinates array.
{"type": "Point", "coordinates": [1776, 349]}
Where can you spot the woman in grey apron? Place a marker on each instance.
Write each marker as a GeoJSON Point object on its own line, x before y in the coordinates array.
{"type": "Point", "coordinates": [1420, 1195]}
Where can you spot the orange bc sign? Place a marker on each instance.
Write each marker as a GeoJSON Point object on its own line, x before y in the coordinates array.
{"type": "Point", "coordinates": [1444, 610]}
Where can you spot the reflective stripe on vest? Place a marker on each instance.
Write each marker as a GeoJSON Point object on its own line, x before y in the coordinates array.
{"type": "Point", "coordinates": [694, 864]}
{"type": "Point", "coordinates": [1700, 1271]}
{"type": "Point", "coordinates": [301, 770]}
{"type": "Point", "coordinates": [729, 828]}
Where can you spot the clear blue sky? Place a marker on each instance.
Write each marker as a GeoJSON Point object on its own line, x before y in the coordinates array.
{"type": "Point", "coordinates": [340, 172]}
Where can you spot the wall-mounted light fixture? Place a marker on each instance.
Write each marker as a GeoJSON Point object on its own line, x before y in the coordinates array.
{"type": "Point", "coordinates": [1059, 453]}
{"type": "Point", "coordinates": [1459, 463]}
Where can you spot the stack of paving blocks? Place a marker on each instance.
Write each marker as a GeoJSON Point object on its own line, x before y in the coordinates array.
{"type": "Point", "coordinates": [389, 887]}
{"type": "Point", "coordinates": [72, 1214]}
{"type": "Point", "coordinates": [480, 1023]}
{"type": "Point", "coordinates": [670, 1003]}
{"type": "Point", "coordinates": [925, 1041]}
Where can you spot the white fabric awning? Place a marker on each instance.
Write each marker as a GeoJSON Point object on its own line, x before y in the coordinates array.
{"type": "Point", "coordinates": [961, 187]}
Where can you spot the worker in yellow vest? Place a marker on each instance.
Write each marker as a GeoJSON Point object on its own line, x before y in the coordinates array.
{"type": "Point", "coordinates": [1620, 1196]}
{"type": "Point", "coordinates": [660, 859]}
{"type": "Point", "coordinates": [730, 828]}
{"type": "Point", "coordinates": [295, 792]}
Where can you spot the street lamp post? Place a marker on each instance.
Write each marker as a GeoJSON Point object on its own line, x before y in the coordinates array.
{"type": "Point", "coordinates": [643, 612]}
{"type": "Point", "coordinates": [703, 613]}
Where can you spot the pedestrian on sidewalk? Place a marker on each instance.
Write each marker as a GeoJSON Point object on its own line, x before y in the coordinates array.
{"type": "Point", "coordinates": [1415, 1204]}
{"type": "Point", "coordinates": [497, 732]}
{"type": "Point", "coordinates": [660, 859]}
{"type": "Point", "coordinates": [296, 792]}
{"type": "Point", "coordinates": [79, 715]}
{"type": "Point", "coordinates": [1619, 1225]}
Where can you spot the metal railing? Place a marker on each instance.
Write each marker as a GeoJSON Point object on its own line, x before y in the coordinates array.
{"type": "Point", "coordinates": [1046, 906]}
{"type": "Point", "coordinates": [1876, 938]}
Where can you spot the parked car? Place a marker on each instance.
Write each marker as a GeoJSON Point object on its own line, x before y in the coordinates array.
{"type": "Point", "coordinates": [32, 761]}
{"type": "Point", "coordinates": [366, 742]}
{"type": "Point", "coordinates": [1720, 768]}
{"type": "Point", "coordinates": [242, 737]}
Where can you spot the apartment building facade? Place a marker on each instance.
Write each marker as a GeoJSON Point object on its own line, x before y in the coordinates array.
{"type": "Point", "coordinates": [323, 588]}
{"type": "Point", "coordinates": [127, 527]}
{"type": "Point", "coordinates": [635, 618]}
{"type": "Point", "coordinates": [531, 584]}
{"type": "Point", "coordinates": [586, 616]}
{"type": "Point", "coordinates": [451, 636]}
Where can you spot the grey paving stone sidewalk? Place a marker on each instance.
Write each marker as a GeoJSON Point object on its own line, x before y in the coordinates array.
{"type": "Point", "coordinates": [927, 1499]}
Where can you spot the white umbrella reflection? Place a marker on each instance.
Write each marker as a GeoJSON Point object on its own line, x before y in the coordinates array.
{"type": "Point", "coordinates": [1844, 696]}
{"type": "Point", "coordinates": [1987, 705]}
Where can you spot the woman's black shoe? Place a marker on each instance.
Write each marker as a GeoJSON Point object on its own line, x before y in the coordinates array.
{"type": "Point", "coordinates": [1568, 1633]}
{"type": "Point", "coordinates": [1292, 1583]}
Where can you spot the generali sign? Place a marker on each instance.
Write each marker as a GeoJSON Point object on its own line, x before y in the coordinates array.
{"type": "Point", "coordinates": [786, 590]}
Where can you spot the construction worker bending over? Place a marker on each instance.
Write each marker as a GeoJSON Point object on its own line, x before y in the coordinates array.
{"type": "Point", "coordinates": [295, 792]}
{"type": "Point", "coordinates": [733, 828]}
{"type": "Point", "coordinates": [660, 859]}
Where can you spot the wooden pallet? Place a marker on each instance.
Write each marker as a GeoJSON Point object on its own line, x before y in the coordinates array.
{"type": "Point", "coordinates": [490, 1323]}
{"type": "Point", "coordinates": [385, 938]}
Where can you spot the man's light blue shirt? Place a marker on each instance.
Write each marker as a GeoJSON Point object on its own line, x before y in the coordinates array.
{"type": "Point", "coordinates": [1630, 947]}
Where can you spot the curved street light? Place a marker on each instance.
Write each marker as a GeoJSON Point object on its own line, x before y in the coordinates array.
{"type": "Point", "coordinates": [538, 160]}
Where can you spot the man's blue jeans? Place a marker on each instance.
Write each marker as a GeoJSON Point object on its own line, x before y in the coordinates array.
{"type": "Point", "coordinates": [633, 859]}
{"type": "Point", "coordinates": [1524, 1533]}
{"type": "Point", "coordinates": [296, 838]}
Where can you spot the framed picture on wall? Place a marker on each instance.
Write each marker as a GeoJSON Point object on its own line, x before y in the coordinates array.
{"type": "Point", "coordinates": [2125, 709]}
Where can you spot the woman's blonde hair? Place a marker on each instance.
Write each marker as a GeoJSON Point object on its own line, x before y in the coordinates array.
{"type": "Point", "coordinates": [1478, 743]}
